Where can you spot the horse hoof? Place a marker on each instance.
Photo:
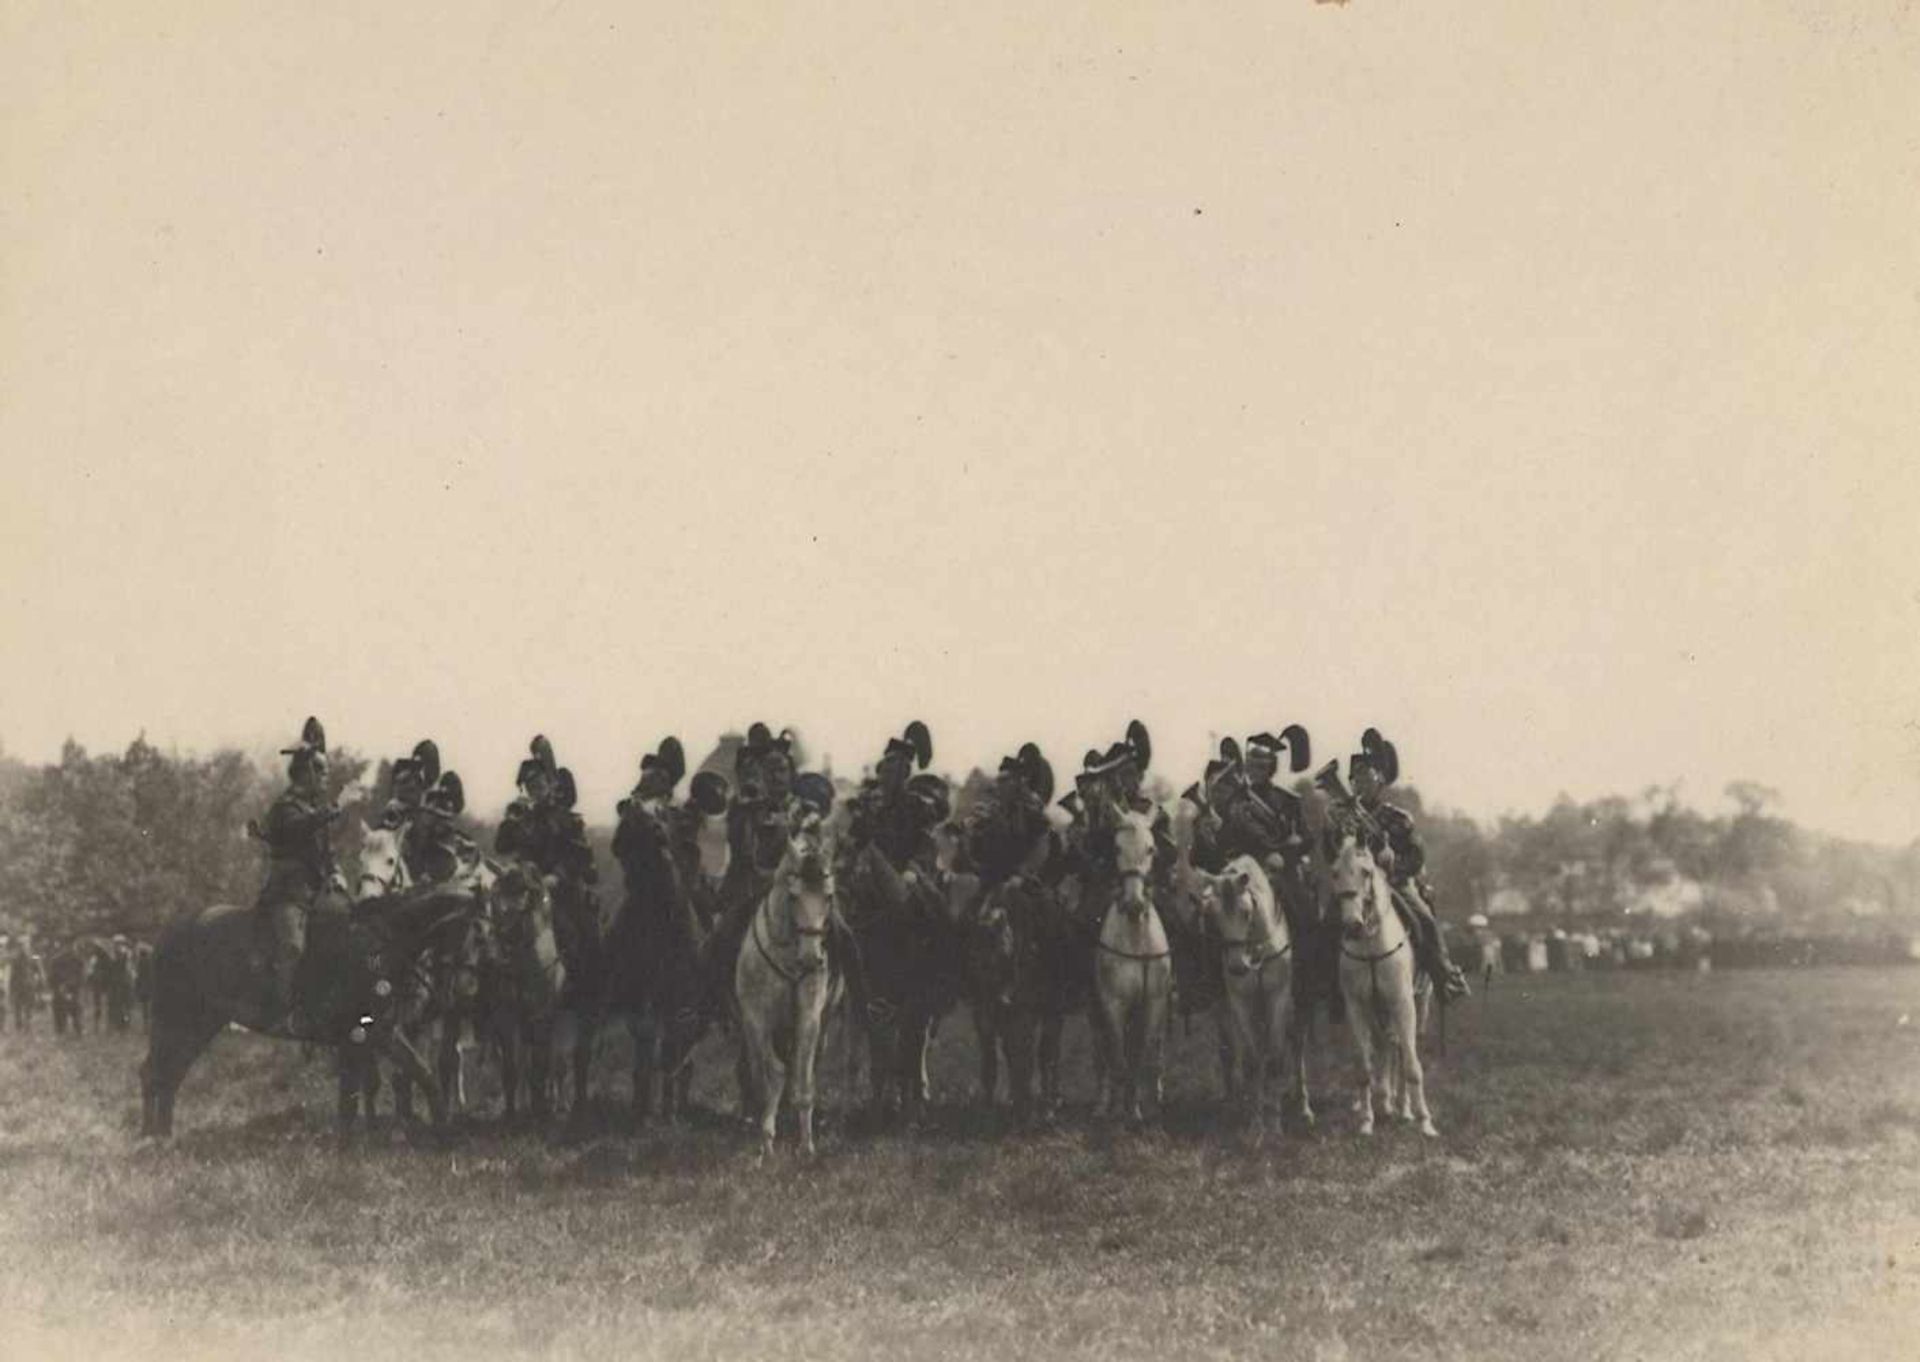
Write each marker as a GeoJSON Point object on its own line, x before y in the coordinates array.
{"type": "Point", "coordinates": [1428, 1129]}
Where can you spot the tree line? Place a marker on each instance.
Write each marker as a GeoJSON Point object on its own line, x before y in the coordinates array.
{"type": "Point", "coordinates": [129, 841]}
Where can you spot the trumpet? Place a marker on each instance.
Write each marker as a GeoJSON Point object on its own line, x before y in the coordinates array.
{"type": "Point", "coordinates": [1327, 781]}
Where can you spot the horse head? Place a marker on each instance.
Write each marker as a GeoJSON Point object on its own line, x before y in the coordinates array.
{"type": "Point", "coordinates": [1240, 901]}
{"type": "Point", "coordinates": [805, 880]}
{"type": "Point", "coordinates": [521, 910]}
{"type": "Point", "coordinates": [383, 870]}
{"type": "Point", "coordinates": [1355, 882]}
{"type": "Point", "coordinates": [992, 945]}
{"type": "Point", "coordinates": [1133, 859]}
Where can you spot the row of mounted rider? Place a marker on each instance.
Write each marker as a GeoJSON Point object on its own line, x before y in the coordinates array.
{"type": "Point", "coordinates": [924, 908]}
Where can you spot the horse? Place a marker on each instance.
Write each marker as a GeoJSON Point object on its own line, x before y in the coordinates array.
{"type": "Point", "coordinates": [1256, 1004]}
{"type": "Point", "coordinates": [655, 978]}
{"type": "Point", "coordinates": [1377, 980]}
{"type": "Point", "coordinates": [1133, 976]}
{"type": "Point", "coordinates": [908, 927]}
{"type": "Point", "coordinates": [784, 983]}
{"type": "Point", "coordinates": [518, 981]}
{"type": "Point", "coordinates": [207, 973]}
{"type": "Point", "coordinates": [430, 995]}
{"type": "Point", "coordinates": [1025, 968]}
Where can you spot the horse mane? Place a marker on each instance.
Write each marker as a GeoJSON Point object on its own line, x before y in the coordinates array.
{"type": "Point", "coordinates": [411, 923]}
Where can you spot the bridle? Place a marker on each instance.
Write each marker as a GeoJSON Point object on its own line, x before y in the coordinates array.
{"type": "Point", "coordinates": [398, 882]}
{"type": "Point", "coordinates": [1370, 923]}
{"type": "Point", "coordinates": [794, 887]}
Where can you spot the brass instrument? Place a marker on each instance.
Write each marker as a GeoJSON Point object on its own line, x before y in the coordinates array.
{"type": "Point", "coordinates": [1327, 781]}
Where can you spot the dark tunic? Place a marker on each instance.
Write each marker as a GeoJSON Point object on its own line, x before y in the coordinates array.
{"type": "Point", "coordinates": [299, 849]}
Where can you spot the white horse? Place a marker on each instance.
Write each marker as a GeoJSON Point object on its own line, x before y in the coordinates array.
{"type": "Point", "coordinates": [783, 984]}
{"type": "Point", "coordinates": [1132, 976]}
{"type": "Point", "coordinates": [1257, 967]}
{"type": "Point", "coordinates": [1377, 977]}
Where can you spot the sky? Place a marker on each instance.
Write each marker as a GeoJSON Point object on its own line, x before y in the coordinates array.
{"type": "Point", "coordinates": [1533, 380]}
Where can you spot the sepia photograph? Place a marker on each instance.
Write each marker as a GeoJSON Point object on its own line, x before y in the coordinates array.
{"type": "Point", "coordinates": [874, 682]}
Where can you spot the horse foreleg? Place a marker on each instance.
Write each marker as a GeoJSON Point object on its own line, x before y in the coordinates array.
{"type": "Point", "coordinates": [1360, 1022]}
{"type": "Point", "coordinates": [409, 1062]}
{"type": "Point", "coordinates": [986, 1033]}
{"type": "Point", "coordinates": [536, 1035]}
{"type": "Point", "coordinates": [919, 1082]}
{"type": "Point", "coordinates": [768, 1077]}
{"type": "Point", "coordinates": [1020, 1035]}
{"type": "Point", "coordinates": [1110, 1049]}
{"type": "Point", "coordinates": [1052, 1024]}
{"type": "Point", "coordinates": [806, 1048]}
{"type": "Point", "coordinates": [452, 1073]}
{"type": "Point", "coordinates": [644, 1033]}
{"type": "Point", "coordinates": [508, 1043]}
{"type": "Point", "coordinates": [1412, 1076]}
{"type": "Point", "coordinates": [1156, 1009]}
{"type": "Point", "coordinates": [587, 1029]}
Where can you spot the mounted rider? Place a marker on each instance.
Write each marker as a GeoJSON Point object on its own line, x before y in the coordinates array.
{"type": "Point", "coordinates": [425, 802]}
{"type": "Point", "coordinates": [541, 828]}
{"type": "Point", "coordinates": [300, 868]}
{"type": "Point", "coordinates": [895, 811]}
{"type": "Point", "coordinates": [410, 778]}
{"type": "Point", "coordinates": [763, 773]}
{"type": "Point", "coordinates": [1007, 838]}
{"type": "Point", "coordinates": [646, 815]}
{"type": "Point", "coordinates": [1109, 787]}
{"type": "Point", "coordinates": [435, 849]}
{"type": "Point", "coordinates": [767, 803]}
{"type": "Point", "coordinates": [1213, 796]}
{"type": "Point", "coordinates": [1390, 834]}
{"type": "Point", "coordinates": [888, 867]}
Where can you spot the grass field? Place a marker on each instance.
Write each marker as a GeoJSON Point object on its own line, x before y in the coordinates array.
{"type": "Point", "coordinates": [1631, 1165]}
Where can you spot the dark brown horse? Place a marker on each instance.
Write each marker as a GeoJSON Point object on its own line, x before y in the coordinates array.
{"type": "Point", "coordinates": [208, 970]}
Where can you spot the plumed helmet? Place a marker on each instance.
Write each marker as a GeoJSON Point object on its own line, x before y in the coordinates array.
{"type": "Point", "coordinates": [1379, 754]}
{"type": "Point", "coordinates": [670, 759]}
{"type": "Point", "coordinates": [815, 791]}
{"type": "Point", "coordinates": [1141, 744]}
{"type": "Point", "coordinates": [426, 761]}
{"type": "Point", "coordinates": [1230, 752]}
{"type": "Point", "coordinates": [313, 738]}
{"type": "Point", "coordinates": [915, 743]}
{"type": "Point", "coordinates": [304, 759]}
{"type": "Point", "coordinates": [1299, 747]}
{"type": "Point", "coordinates": [542, 751]}
{"type": "Point", "coordinates": [1037, 770]}
{"type": "Point", "coordinates": [448, 795]}
{"type": "Point", "coordinates": [565, 793]}
{"type": "Point", "coordinates": [931, 793]}
{"type": "Point", "coordinates": [708, 793]}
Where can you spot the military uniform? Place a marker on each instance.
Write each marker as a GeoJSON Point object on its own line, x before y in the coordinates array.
{"type": "Point", "coordinates": [300, 866]}
{"type": "Point", "coordinates": [1395, 843]}
{"type": "Point", "coordinates": [1007, 834]}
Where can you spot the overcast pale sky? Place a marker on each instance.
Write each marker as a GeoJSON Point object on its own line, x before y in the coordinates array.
{"type": "Point", "coordinates": [1535, 380]}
